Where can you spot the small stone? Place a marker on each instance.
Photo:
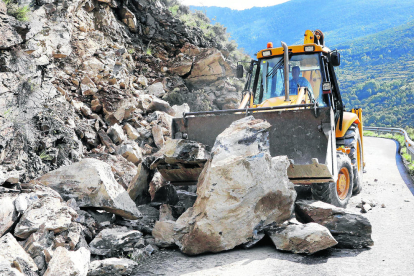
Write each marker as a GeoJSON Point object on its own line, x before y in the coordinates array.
{"type": "Point", "coordinates": [365, 208]}
{"type": "Point", "coordinates": [149, 249]}
{"type": "Point", "coordinates": [106, 141]}
{"type": "Point", "coordinates": [132, 133]}
{"type": "Point", "coordinates": [166, 213]}
{"type": "Point", "coordinates": [116, 133]}
{"type": "Point", "coordinates": [143, 81]}
{"type": "Point", "coordinates": [88, 87]}
{"type": "Point", "coordinates": [163, 233]}
{"type": "Point", "coordinates": [302, 238]}
{"type": "Point", "coordinates": [138, 255]}
{"type": "Point", "coordinates": [158, 136]}
{"type": "Point", "coordinates": [156, 89]}
{"type": "Point", "coordinates": [111, 242]}
{"type": "Point", "coordinates": [96, 105]}
{"type": "Point", "coordinates": [179, 110]}
{"type": "Point", "coordinates": [112, 266]}
{"type": "Point", "coordinates": [131, 152]}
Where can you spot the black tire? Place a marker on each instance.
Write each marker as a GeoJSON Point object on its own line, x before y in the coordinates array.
{"type": "Point", "coordinates": [327, 192]}
{"type": "Point", "coordinates": [351, 139]}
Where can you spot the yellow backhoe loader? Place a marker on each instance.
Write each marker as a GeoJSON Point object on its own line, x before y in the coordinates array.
{"type": "Point", "coordinates": [295, 89]}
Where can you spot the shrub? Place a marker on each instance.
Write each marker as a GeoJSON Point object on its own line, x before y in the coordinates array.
{"type": "Point", "coordinates": [21, 13]}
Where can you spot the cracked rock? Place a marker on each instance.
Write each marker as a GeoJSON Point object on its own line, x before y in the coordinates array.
{"type": "Point", "coordinates": [350, 230]}
{"type": "Point", "coordinates": [92, 184]}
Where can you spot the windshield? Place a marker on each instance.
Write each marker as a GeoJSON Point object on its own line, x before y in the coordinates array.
{"type": "Point", "coordinates": [304, 71]}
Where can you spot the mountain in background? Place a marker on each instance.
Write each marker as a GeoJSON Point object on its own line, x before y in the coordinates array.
{"type": "Point", "coordinates": [341, 21]}
{"type": "Point", "coordinates": [375, 38]}
{"type": "Point", "coordinates": [377, 74]}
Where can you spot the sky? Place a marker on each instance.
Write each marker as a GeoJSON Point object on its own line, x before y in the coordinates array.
{"type": "Point", "coordinates": [233, 4]}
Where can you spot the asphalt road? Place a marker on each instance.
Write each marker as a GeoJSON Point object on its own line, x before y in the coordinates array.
{"type": "Point", "coordinates": [385, 182]}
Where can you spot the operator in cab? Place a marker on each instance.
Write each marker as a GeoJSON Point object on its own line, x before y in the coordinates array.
{"type": "Point", "coordinates": [297, 81]}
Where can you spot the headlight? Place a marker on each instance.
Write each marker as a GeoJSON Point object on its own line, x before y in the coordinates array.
{"type": "Point", "coordinates": [309, 48]}
{"type": "Point", "coordinates": [267, 53]}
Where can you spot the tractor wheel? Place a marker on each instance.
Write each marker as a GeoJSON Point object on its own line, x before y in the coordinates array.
{"type": "Point", "coordinates": [338, 193]}
{"type": "Point", "coordinates": [352, 140]}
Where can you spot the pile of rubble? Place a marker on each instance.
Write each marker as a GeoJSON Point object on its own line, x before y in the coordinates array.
{"type": "Point", "coordinates": [100, 77]}
{"type": "Point", "coordinates": [81, 216]}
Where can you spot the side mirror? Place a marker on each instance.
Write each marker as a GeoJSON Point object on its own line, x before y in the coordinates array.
{"type": "Point", "coordinates": [335, 58]}
{"type": "Point", "coordinates": [239, 71]}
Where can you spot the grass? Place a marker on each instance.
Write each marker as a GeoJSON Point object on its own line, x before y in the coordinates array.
{"type": "Point", "coordinates": [21, 13]}
{"type": "Point", "coordinates": [45, 156]}
{"type": "Point", "coordinates": [401, 140]}
{"type": "Point", "coordinates": [174, 9]}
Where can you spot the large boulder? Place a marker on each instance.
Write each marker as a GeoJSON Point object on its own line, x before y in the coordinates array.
{"type": "Point", "coordinates": [351, 230]}
{"type": "Point", "coordinates": [241, 189]}
{"type": "Point", "coordinates": [112, 242]}
{"type": "Point", "coordinates": [68, 263]}
{"type": "Point", "coordinates": [48, 211]}
{"type": "Point", "coordinates": [8, 213]}
{"type": "Point", "coordinates": [12, 252]}
{"type": "Point", "coordinates": [92, 184]}
{"type": "Point", "coordinates": [301, 238]}
{"type": "Point", "coordinates": [207, 68]}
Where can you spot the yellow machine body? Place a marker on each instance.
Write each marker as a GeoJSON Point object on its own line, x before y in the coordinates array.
{"type": "Point", "coordinates": [308, 166]}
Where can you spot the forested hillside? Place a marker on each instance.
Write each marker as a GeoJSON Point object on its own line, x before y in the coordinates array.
{"type": "Point", "coordinates": [377, 74]}
{"type": "Point", "coordinates": [341, 21]}
{"type": "Point", "coordinates": [375, 39]}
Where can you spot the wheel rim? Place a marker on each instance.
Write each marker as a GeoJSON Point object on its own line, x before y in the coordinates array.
{"type": "Point", "coordinates": [343, 183]}
{"type": "Point", "coordinates": [359, 156]}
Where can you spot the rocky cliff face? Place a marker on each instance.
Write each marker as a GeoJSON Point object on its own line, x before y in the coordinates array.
{"type": "Point", "coordinates": [99, 77]}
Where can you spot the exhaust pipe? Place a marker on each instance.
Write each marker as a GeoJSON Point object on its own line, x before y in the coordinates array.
{"type": "Point", "coordinates": [286, 60]}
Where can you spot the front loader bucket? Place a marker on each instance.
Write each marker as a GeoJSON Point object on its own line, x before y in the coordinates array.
{"type": "Point", "coordinates": [304, 135]}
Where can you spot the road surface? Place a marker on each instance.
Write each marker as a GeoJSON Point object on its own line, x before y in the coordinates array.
{"type": "Point", "coordinates": [385, 182]}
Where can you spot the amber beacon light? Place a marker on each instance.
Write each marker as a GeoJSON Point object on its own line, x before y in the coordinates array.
{"type": "Point", "coordinates": [269, 45]}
